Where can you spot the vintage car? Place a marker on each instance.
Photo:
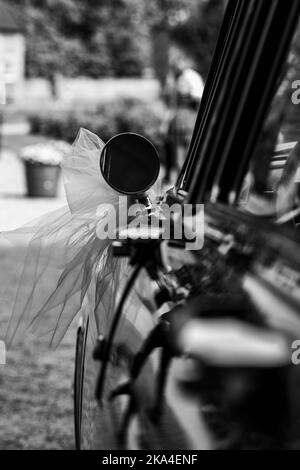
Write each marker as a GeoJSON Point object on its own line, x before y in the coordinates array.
{"type": "Point", "coordinates": [193, 349]}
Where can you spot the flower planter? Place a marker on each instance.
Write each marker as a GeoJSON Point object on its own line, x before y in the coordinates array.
{"type": "Point", "coordinates": [42, 179]}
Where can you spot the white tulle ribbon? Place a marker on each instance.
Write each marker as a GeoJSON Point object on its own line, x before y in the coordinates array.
{"type": "Point", "coordinates": [56, 259]}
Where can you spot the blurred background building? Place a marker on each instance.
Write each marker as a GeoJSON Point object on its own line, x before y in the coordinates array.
{"type": "Point", "coordinates": [12, 53]}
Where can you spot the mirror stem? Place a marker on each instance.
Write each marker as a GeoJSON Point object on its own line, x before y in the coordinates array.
{"type": "Point", "coordinates": [145, 200]}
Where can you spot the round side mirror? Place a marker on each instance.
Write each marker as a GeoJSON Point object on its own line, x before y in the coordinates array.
{"type": "Point", "coordinates": [129, 163]}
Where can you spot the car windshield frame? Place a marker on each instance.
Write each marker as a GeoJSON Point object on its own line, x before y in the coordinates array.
{"type": "Point", "coordinates": [255, 37]}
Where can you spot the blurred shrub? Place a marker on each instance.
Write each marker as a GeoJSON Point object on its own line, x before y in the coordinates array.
{"type": "Point", "coordinates": [106, 120]}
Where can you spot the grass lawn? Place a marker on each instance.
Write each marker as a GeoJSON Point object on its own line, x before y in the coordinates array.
{"type": "Point", "coordinates": [36, 405]}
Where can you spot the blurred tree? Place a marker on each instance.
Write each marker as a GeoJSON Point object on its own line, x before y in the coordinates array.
{"type": "Point", "coordinates": [198, 34]}
{"type": "Point", "coordinates": [162, 17]}
{"type": "Point", "coordinates": [84, 37]}
{"type": "Point", "coordinates": [127, 34]}
{"type": "Point", "coordinates": [167, 13]}
{"type": "Point", "coordinates": [112, 37]}
{"type": "Point", "coordinates": [191, 24]}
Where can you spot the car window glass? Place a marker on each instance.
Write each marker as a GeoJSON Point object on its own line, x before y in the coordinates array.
{"type": "Point", "coordinates": [271, 187]}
